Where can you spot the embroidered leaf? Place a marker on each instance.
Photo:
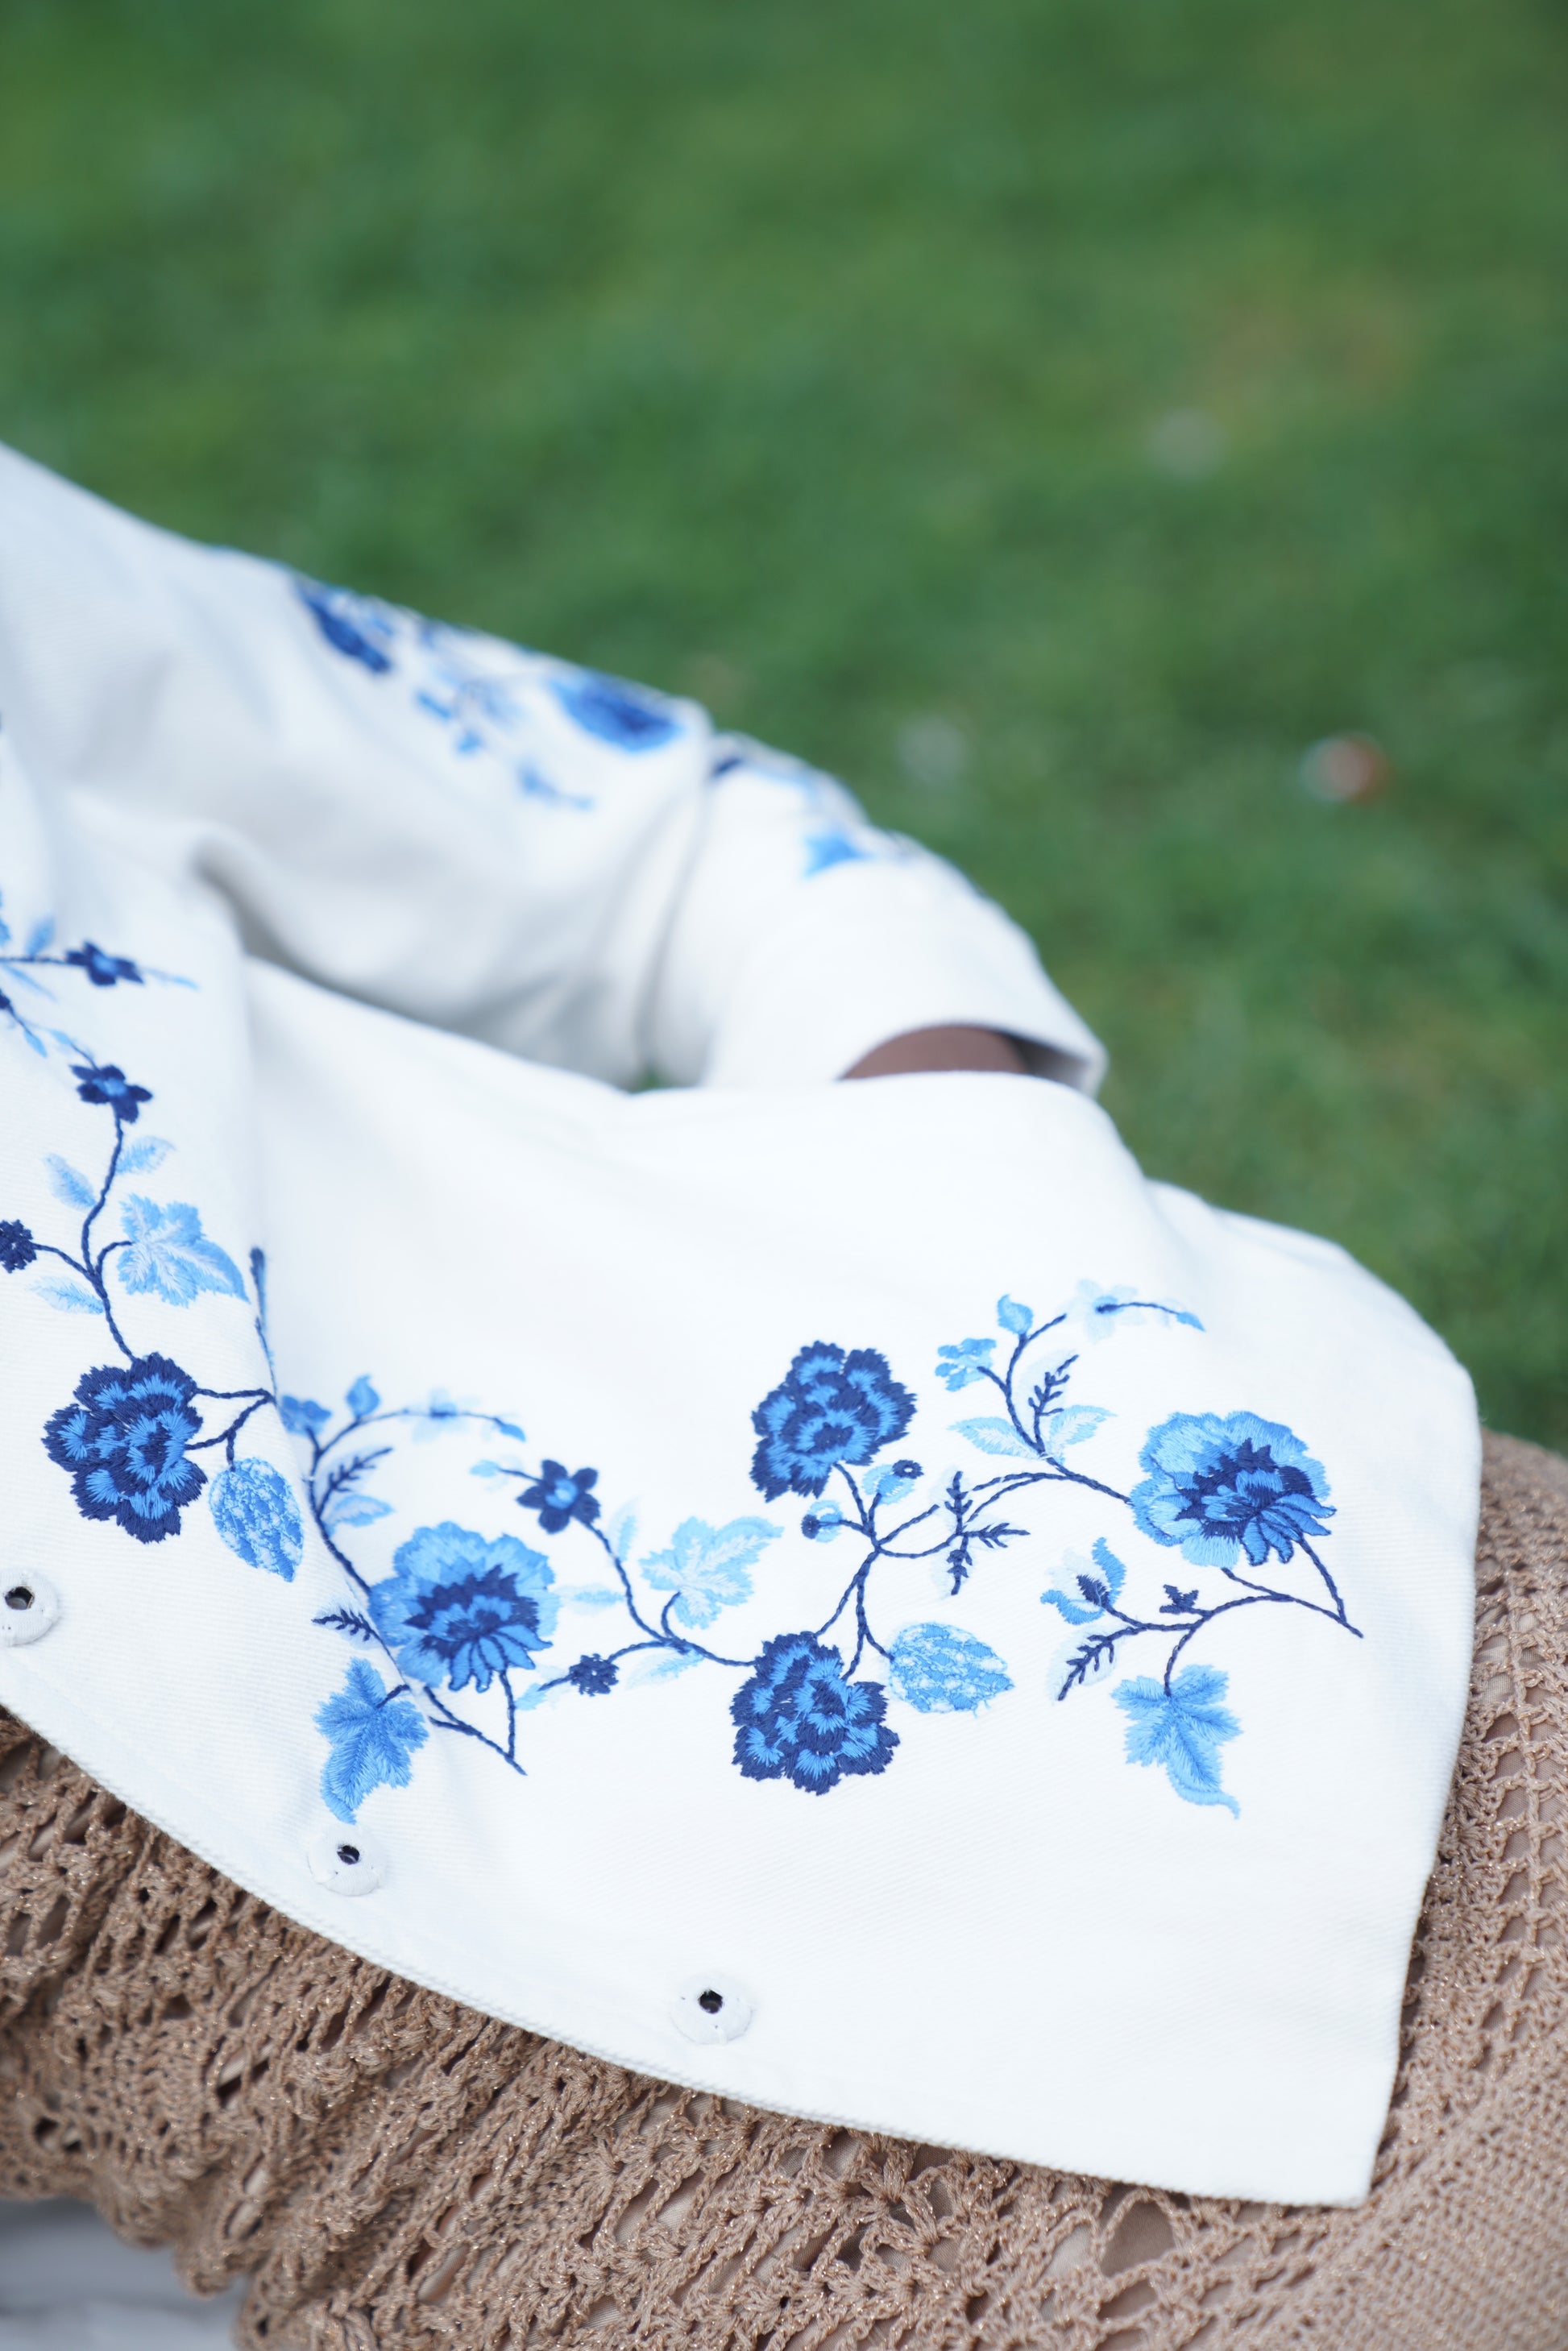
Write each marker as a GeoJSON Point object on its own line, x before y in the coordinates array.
{"type": "Point", "coordinates": [708, 1566]}
{"type": "Point", "coordinates": [941, 1669]}
{"type": "Point", "coordinates": [511, 1429]}
{"type": "Point", "coordinates": [542, 1694]}
{"type": "Point", "coordinates": [620, 1531]}
{"type": "Point", "coordinates": [141, 1157]}
{"type": "Point", "coordinates": [345, 1509]}
{"type": "Point", "coordinates": [1100, 1592]}
{"type": "Point", "coordinates": [994, 1435]}
{"type": "Point", "coordinates": [1014, 1317]}
{"type": "Point", "coordinates": [39, 936]}
{"type": "Point", "coordinates": [1178, 1603]}
{"type": "Point", "coordinates": [1182, 1730]}
{"type": "Point", "coordinates": [590, 1595]}
{"type": "Point", "coordinates": [374, 1733]}
{"type": "Point", "coordinates": [659, 1665]}
{"type": "Point", "coordinates": [491, 1470]}
{"type": "Point", "coordinates": [68, 1184]}
{"type": "Point", "coordinates": [349, 1620]}
{"type": "Point", "coordinates": [1071, 1426]}
{"type": "Point", "coordinates": [302, 1415]}
{"type": "Point", "coordinates": [170, 1254]}
{"type": "Point", "coordinates": [255, 1511]}
{"type": "Point", "coordinates": [69, 1297]}
{"type": "Point", "coordinates": [362, 1399]}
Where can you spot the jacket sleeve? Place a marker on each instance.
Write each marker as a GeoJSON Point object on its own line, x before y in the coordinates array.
{"type": "Point", "coordinates": [573, 869]}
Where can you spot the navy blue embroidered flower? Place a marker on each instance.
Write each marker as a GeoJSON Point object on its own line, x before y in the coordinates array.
{"type": "Point", "coordinates": [593, 1675]}
{"type": "Point", "coordinates": [560, 1495]}
{"type": "Point", "coordinates": [17, 1246]}
{"type": "Point", "coordinates": [463, 1607]}
{"type": "Point", "coordinates": [830, 1407]}
{"type": "Point", "coordinates": [800, 1718]}
{"type": "Point", "coordinates": [125, 1441]}
{"type": "Point", "coordinates": [615, 712]}
{"type": "Point", "coordinates": [349, 624]}
{"type": "Point", "coordinates": [104, 970]}
{"type": "Point", "coordinates": [110, 1084]}
{"type": "Point", "coordinates": [1221, 1486]}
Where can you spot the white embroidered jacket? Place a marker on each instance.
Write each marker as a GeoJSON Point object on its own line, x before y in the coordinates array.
{"type": "Point", "coordinates": [845, 1596]}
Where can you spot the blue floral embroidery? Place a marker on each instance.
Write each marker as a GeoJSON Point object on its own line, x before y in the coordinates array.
{"type": "Point", "coordinates": [459, 1608]}
{"type": "Point", "coordinates": [595, 1676]}
{"type": "Point", "coordinates": [560, 1495]}
{"type": "Point", "coordinates": [166, 1251]}
{"type": "Point", "coordinates": [1181, 1725]}
{"type": "Point", "coordinates": [830, 1407]}
{"type": "Point", "coordinates": [256, 1514]}
{"type": "Point", "coordinates": [352, 625]}
{"type": "Point", "coordinates": [626, 715]}
{"type": "Point", "coordinates": [126, 1441]}
{"type": "Point", "coordinates": [708, 1568]}
{"type": "Point", "coordinates": [17, 1246]}
{"type": "Point", "coordinates": [800, 1718]}
{"type": "Point", "coordinates": [463, 1613]}
{"type": "Point", "coordinates": [373, 1732]}
{"type": "Point", "coordinates": [110, 1085]}
{"type": "Point", "coordinates": [103, 970]}
{"type": "Point", "coordinates": [498, 715]}
{"type": "Point", "coordinates": [1222, 1487]}
{"type": "Point", "coordinates": [941, 1669]}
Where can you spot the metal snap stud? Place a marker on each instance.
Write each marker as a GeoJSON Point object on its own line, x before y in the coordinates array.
{"type": "Point", "coordinates": [711, 2008]}
{"type": "Point", "coordinates": [29, 1607]}
{"type": "Point", "coordinates": [346, 1861]}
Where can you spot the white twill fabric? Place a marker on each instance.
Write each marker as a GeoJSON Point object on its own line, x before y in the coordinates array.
{"type": "Point", "coordinates": [847, 1596]}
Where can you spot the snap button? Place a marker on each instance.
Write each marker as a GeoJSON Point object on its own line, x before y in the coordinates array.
{"type": "Point", "coordinates": [29, 1607]}
{"type": "Point", "coordinates": [346, 1861]}
{"type": "Point", "coordinates": [710, 2008]}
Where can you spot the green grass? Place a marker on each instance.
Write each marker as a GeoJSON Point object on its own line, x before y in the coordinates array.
{"type": "Point", "coordinates": [807, 355]}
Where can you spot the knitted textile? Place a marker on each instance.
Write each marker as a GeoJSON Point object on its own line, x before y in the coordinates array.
{"type": "Point", "coordinates": [395, 2170]}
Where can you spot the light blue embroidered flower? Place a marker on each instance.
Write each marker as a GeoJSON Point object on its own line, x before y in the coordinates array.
{"type": "Point", "coordinates": [830, 1408]}
{"type": "Point", "coordinates": [626, 715]}
{"type": "Point", "coordinates": [302, 1416]}
{"type": "Point", "coordinates": [1220, 1486]}
{"type": "Point", "coordinates": [168, 1252]}
{"type": "Point", "coordinates": [970, 1360]}
{"type": "Point", "coordinates": [463, 1607]}
{"type": "Point", "coordinates": [373, 1732]}
{"type": "Point", "coordinates": [1098, 1592]}
{"type": "Point", "coordinates": [255, 1511]}
{"type": "Point", "coordinates": [1182, 1730]}
{"type": "Point", "coordinates": [941, 1669]}
{"type": "Point", "coordinates": [708, 1566]}
{"type": "Point", "coordinates": [800, 1718]}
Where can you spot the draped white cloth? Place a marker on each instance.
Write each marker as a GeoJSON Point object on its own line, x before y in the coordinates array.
{"type": "Point", "coordinates": [845, 1596]}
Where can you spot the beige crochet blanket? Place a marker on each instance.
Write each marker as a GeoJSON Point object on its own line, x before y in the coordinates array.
{"type": "Point", "coordinates": [394, 2170]}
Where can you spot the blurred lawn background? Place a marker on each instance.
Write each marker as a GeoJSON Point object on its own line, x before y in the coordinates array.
{"type": "Point", "coordinates": [1052, 416]}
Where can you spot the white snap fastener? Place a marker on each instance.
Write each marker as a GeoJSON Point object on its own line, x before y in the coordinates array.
{"type": "Point", "coordinates": [29, 1607]}
{"type": "Point", "coordinates": [346, 1861]}
{"type": "Point", "coordinates": [710, 2008]}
